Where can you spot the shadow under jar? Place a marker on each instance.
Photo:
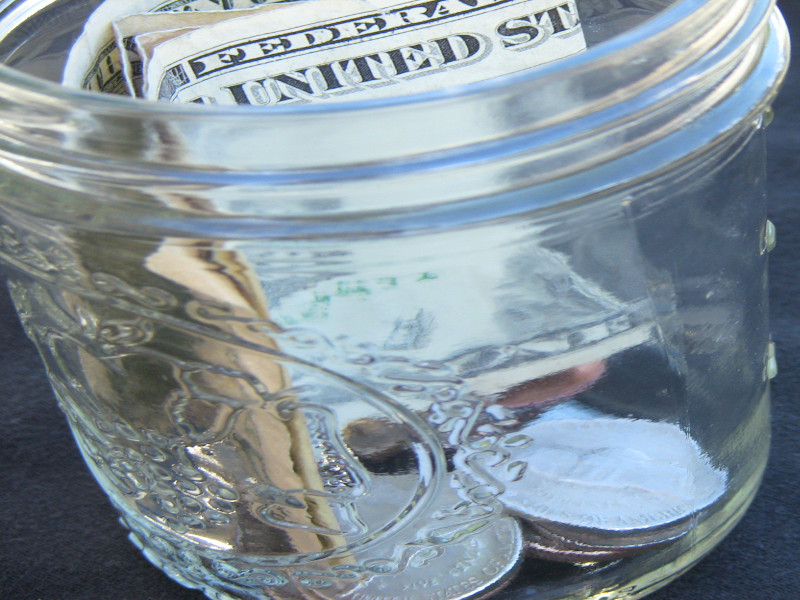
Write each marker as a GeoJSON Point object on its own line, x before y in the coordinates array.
{"type": "Point", "coordinates": [508, 338]}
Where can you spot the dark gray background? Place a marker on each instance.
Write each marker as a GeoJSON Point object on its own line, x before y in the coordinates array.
{"type": "Point", "coordinates": [58, 534]}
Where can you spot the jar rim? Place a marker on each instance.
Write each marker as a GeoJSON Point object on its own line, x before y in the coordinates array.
{"type": "Point", "coordinates": [411, 160]}
{"type": "Point", "coordinates": [607, 54]}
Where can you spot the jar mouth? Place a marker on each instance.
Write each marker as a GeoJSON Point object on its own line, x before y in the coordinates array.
{"type": "Point", "coordinates": [547, 102]}
{"type": "Point", "coordinates": [685, 19]}
{"type": "Point", "coordinates": [521, 139]}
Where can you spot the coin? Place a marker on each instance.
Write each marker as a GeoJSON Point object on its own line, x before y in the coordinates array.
{"type": "Point", "coordinates": [375, 438]}
{"type": "Point", "coordinates": [552, 388]}
{"type": "Point", "coordinates": [546, 545]}
{"type": "Point", "coordinates": [609, 483]}
{"type": "Point", "coordinates": [382, 446]}
{"type": "Point", "coordinates": [454, 549]}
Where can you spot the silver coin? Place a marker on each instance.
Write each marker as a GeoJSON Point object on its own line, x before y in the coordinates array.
{"type": "Point", "coordinates": [608, 482]}
{"type": "Point", "coordinates": [454, 549]}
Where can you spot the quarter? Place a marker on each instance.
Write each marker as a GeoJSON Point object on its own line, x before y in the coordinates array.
{"type": "Point", "coordinates": [608, 482]}
{"type": "Point", "coordinates": [455, 549]}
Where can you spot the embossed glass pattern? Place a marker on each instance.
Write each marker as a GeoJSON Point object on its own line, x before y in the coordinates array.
{"type": "Point", "coordinates": [506, 339]}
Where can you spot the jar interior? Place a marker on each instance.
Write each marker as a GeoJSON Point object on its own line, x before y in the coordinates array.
{"type": "Point", "coordinates": [37, 34]}
{"type": "Point", "coordinates": [567, 376]}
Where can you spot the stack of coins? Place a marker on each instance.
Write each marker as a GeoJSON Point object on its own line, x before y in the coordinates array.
{"type": "Point", "coordinates": [604, 488]}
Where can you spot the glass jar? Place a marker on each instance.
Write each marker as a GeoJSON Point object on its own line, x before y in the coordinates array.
{"type": "Point", "coordinates": [511, 335]}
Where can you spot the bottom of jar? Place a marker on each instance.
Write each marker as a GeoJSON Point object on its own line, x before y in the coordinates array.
{"type": "Point", "coordinates": [708, 534]}
{"type": "Point", "coordinates": [637, 576]}
{"type": "Point", "coordinates": [537, 578]}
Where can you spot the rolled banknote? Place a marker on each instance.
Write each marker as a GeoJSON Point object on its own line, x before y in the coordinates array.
{"type": "Point", "coordinates": [154, 28]}
{"type": "Point", "coordinates": [95, 61]}
{"type": "Point", "coordinates": [273, 447]}
{"type": "Point", "coordinates": [356, 49]}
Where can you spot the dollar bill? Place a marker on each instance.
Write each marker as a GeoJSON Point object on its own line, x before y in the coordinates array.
{"type": "Point", "coordinates": [315, 51]}
{"type": "Point", "coordinates": [95, 61]}
{"type": "Point", "coordinates": [135, 34]}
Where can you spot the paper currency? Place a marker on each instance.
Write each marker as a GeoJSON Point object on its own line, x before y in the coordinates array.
{"type": "Point", "coordinates": [524, 323]}
{"type": "Point", "coordinates": [151, 29]}
{"type": "Point", "coordinates": [239, 52]}
{"type": "Point", "coordinates": [355, 49]}
{"type": "Point", "coordinates": [95, 61]}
